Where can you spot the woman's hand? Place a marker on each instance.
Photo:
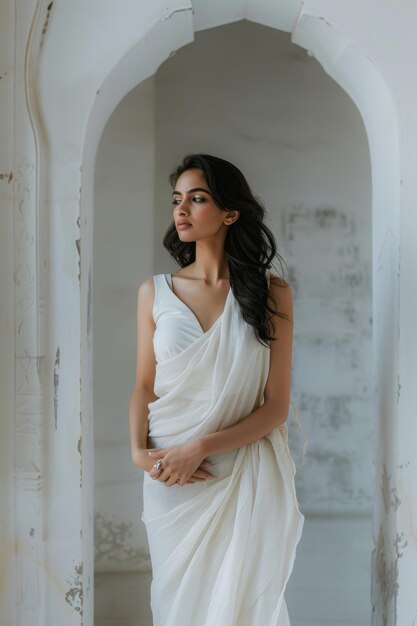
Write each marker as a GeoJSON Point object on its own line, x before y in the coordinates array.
{"type": "Point", "coordinates": [180, 464]}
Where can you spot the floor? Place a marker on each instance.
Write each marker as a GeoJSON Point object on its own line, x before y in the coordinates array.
{"type": "Point", "coordinates": [329, 586]}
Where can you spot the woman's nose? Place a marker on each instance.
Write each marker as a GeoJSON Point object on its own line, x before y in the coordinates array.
{"type": "Point", "coordinates": [181, 207]}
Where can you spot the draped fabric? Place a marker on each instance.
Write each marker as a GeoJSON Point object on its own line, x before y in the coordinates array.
{"type": "Point", "coordinates": [221, 550]}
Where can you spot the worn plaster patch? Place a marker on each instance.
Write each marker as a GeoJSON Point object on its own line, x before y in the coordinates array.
{"type": "Point", "coordinates": [400, 544]}
{"type": "Point", "coordinates": [74, 595]}
{"type": "Point", "coordinates": [56, 384]}
{"type": "Point", "coordinates": [79, 448]}
{"type": "Point", "coordinates": [389, 493]}
{"type": "Point", "coordinates": [387, 579]}
{"type": "Point", "coordinates": [46, 22]}
{"type": "Point", "coordinates": [338, 409]}
{"type": "Point", "coordinates": [170, 11]}
{"type": "Point", "coordinates": [89, 316]}
{"type": "Point", "coordinates": [78, 244]}
{"type": "Point", "coordinates": [8, 177]}
{"type": "Point", "coordinates": [113, 542]}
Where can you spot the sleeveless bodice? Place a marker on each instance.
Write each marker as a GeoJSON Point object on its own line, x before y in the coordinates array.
{"type": "Point", "coordinates": [222, 550]}
{"type": "Point", "coordinates": [176, 326]}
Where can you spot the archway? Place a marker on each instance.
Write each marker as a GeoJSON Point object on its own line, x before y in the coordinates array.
{"type": "Point", "coordinates": [273, 110]}
{"type": "Point", "coordinates": [55, 160]}
{"type": "Point", "coordinates": [359, 78]}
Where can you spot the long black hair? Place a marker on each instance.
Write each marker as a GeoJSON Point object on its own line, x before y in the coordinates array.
{"type": "Point", "coordinates": [249, 245]}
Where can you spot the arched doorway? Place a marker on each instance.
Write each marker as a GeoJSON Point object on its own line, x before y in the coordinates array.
{"type": "Point", "coordinates": [341, 61]}
{"type": "Point", "coordinates": [275, 112]}
{"type": "Point", "coordinates": [60, 197]}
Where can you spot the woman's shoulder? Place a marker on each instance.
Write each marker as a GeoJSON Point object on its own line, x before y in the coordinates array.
{"type": "Point", "coordinates": [147, 285]}
{"type": "Point", "coordinates": [277, 281]}
{"type": "Point", "coordinates": [146, 289]}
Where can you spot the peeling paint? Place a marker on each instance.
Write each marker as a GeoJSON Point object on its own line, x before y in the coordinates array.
{"type": "Point", "coordinates": [8, 176]}
{"type": "Point", "coordinates": [89, 303]}
{"type": "Point", "coordinates": [114, 542]}
{"type": "Point", "coordinates": [170, 12]}
{"type": "Point", "coordinates": [74, 595]}
{"type": "Point", "coordinates": [79, 448]}
{"type": "Point", "coordinates": [46, 22]}
{"type": "Point", "coordinates": [387, 579]}
{"type": "Point", "coordinates": [56, 384]}
{"type": "Point", "coordinates": [78, 244]}
{"type": "Point", "coordinates": [400, 543]}
{"type": "Point", "coordinates": [323, 19]}
{"type": "Point", "coordinates": [389, 493]}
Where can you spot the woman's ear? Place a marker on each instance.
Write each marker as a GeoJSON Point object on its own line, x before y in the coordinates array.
{"type": "Point", "coordinates": [232, 217]}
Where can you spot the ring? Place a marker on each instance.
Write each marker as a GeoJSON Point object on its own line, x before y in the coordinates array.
{"type": "Point", "coordinates": [158, 464]}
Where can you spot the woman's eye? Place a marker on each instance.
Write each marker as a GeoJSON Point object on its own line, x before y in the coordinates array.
{"type": "Point", "coordinates": [195, 198]}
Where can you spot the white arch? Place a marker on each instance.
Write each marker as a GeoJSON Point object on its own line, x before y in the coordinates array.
{"type": "Point", "coordinates": [355, 73]}
{"type": "Point", "coordinates": [68, 148]}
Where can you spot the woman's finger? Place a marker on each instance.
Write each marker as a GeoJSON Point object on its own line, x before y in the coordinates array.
{"type": "Point", "coordinates": [203, 474]}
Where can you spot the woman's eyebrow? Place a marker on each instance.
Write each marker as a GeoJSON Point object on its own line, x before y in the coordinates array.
{"type": "Point", "coordinates": [191, 191]}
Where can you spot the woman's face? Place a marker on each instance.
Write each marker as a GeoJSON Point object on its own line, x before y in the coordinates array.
{"type": "Point", "coordinates": [193, 203]}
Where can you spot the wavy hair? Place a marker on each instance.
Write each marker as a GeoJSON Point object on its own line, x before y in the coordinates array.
{"type": "Point", "coordinates": [249, 245]}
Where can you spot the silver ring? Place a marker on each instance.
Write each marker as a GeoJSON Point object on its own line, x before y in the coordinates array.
{"type": "Point", "coordinates": [158, 464]}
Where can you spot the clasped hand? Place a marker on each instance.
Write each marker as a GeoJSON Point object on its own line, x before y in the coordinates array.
{"type": "Point", "coordinates": [180, 464]}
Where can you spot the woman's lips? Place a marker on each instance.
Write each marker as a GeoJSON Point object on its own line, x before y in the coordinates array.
{"type": "Point", "coordinates": [183, 226]}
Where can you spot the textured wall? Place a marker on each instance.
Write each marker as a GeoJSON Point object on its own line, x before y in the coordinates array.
{"type": "Point", "coordinates": [245, 93]}
{"type": "Point", "coordinates": [302, 145]}
{"type": "Point", "coordinates": [123, 258]}
{"type": "Point", "coordinates": [56, 57]}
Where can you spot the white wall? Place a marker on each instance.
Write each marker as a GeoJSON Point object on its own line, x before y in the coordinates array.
{"type": "Point", "coordinates": [9, 423]}
{"type": "Point", "coordinates": [61, 62]}
{"type": "Point", "coordinates": [123, 258]}
{"type": "Point", "coordinates": [300, 140]}
{"type": "Point", "coordinates": [244, 92]}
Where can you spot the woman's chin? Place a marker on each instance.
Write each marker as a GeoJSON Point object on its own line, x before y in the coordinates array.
{"type": "Point", "coordinates": [185, 236]}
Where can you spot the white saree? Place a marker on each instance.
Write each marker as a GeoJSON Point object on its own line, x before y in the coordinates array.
{"type": "Point", "coordinates": [221, 550]}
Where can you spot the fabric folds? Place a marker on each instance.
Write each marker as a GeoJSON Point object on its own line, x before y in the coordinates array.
{"type": "Point", "coordinates": [221, 550]}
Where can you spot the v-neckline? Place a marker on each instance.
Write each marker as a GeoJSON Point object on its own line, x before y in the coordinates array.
{"type": "Point", "coordinates": [203, 332]}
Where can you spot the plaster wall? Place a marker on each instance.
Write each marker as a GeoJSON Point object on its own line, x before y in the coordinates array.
{"type": "Point", "coordinates": [7, 320]}
{"type": "Point", "coordinates": [123, 258]}
{"type": "Point", "coordinates": [244, 91]}
{"type": "Point", "coordinates": [61, 66]}
{"type": "Point", "coordinates": [301, 140]}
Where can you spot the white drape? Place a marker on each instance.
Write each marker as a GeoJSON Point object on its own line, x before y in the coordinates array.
{"type": "Point", "coordinates": [221, 550]}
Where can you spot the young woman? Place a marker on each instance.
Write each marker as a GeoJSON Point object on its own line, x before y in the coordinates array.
{"type": "Point", "coordinates": [208, 411]}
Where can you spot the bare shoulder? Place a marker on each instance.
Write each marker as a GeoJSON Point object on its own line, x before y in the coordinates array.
{"type": "Point", "coordinates": [147, 286]}
{"type": "Point", "coordinates": [279, 285]}
{"type": "Point", "coordinates": [146, 296]}
{"type": "Point", "coordinates": [281, 291]}
{"type": "Point", "coordinates": [278, 281]}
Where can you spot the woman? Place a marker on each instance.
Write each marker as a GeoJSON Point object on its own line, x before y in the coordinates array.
{"type": "Point", "coordinates": [207, 416]}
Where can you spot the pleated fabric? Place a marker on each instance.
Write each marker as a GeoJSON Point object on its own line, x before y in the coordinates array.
{"type": "Point", "coordinates": [222, 550]}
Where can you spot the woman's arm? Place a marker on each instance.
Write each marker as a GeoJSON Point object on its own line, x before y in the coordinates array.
{"type": "Point", "coordinates": [275, 409]}
{"type": "Point", "coordinates": [144, 384]}
{"type": "Point", "coordinates": [145, 377]}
